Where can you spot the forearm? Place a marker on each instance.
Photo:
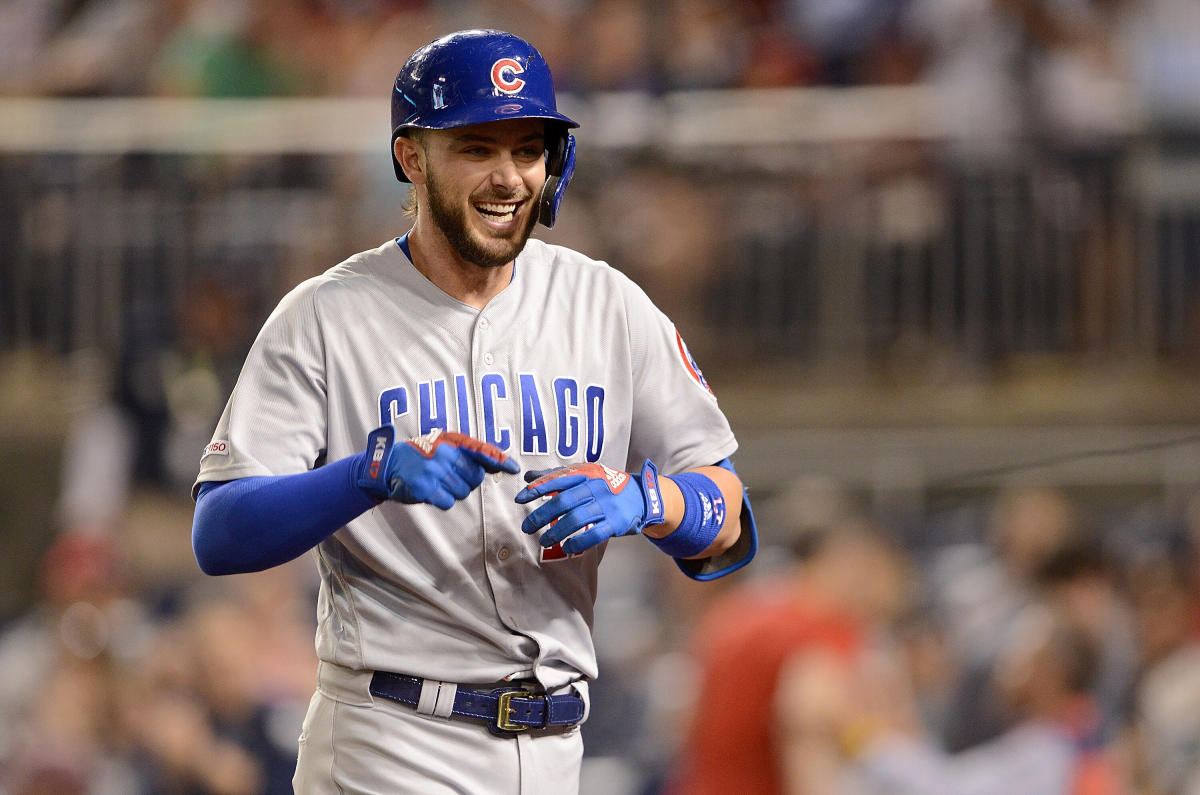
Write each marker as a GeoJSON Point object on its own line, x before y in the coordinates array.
{"type": "Point", "coordinates": [251, 524]}
{"type": "Point", "coordinates": [674, 509]}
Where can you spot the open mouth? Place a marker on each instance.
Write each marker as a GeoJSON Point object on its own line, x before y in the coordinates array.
{"type": "Point", "coordinates": [498, 212]}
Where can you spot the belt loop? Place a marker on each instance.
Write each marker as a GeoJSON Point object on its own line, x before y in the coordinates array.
{"type": "Point", "coordinates": [444, 705]}
{"type": "Point", "coordinates": [581, 689]}
{"type": "Point", "coordinates": [437, 698]}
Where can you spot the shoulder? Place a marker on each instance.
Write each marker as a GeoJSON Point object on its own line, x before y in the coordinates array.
{"type": "Point", "coordinates": [352, 275]}
{"type": "Point", "coordinates": [559, 264]}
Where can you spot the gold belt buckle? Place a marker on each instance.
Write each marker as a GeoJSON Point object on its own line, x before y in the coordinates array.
{"type": "Point", "coordinates": [504, 710]}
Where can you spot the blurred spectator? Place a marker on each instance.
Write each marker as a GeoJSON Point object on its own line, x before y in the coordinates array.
{"type": "Point", "coordinates": [709, 44]}
{"type": "Point", "coordinates": [80, 47]}
{"type": "Point", "coordinates": [1168, 693]}
{"type": "Point", "coordinates": [971, 65]}
{"type": "Point", "coordinates": [61, 662]}
{"type": "Point", "coordinates": [856, 42]}
{"type": "Point", "coordinates": [1163, 38]}
{"type": "Point", "coordinates": [979, 590]}
{"type": "Point", "coordinates": [213, 327]}
{"type": "Point", "coordinates": [142, 425]}
{"type": "Point", "coordinates": [25, 27]}
{"type": "Point", "coordinates": [777, 660]}
{"type": "Point", "coordinates": [223, 48]}
{"type": "Point", "coordinates": [373, 32]}
{"type": "Point", "coordinates": [1083, 113]}
{"type": "Point", "coordinates": [612, 50]}
{"type": "Point", "coordinates": [89, 54]}
{"type": "Point", "coordinates": [1043, 678]}
{"type": "Point", "coordinates": [1083, 585]}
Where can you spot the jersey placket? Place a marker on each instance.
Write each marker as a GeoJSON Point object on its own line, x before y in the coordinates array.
{"type": "Point", "coordinates": [501, 554]}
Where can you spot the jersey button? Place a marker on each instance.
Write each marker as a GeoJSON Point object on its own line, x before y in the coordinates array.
{"type": "Point", "coordinates": [483, 322]}
{"type": "Point", "coordinates": [504, 553]}
{"type": "Point", "coordinates": [488, 358]}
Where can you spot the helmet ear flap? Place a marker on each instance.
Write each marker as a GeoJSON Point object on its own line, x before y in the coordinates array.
{"type": "Point", "coordinates": [560, 167]}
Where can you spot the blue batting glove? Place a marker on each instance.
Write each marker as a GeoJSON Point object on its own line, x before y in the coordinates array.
{"type": "Point", "coordinates": [591, 503]}
{"type": "Point", "coordinates": [439, 468]}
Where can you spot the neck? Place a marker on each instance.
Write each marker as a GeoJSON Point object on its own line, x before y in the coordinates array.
{"type": "Point", "coordinates": [464, 281]}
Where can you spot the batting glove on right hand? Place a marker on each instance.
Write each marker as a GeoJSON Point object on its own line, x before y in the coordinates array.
{"type": "Point", "coordinates": [590, 503]}
{"type": "Point", "coordinates": [439, 468]}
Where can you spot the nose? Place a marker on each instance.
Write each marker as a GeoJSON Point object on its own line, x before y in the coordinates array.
{"type": "Point", "coordinates": [505, 176]}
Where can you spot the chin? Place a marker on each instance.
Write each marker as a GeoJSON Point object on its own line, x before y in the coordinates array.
{"type": "Point", "coordinates": [493, 248]}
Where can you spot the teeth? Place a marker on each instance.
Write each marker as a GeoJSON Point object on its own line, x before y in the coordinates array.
{"type": "Point", "coordinates": [501, 212]}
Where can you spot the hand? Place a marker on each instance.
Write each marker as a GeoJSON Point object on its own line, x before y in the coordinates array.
{"type": "Point", "coordinates": [590, 503]}
{"type": "Point", "coordinates": [439, 468]}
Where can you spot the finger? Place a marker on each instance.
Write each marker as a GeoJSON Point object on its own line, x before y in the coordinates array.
{"type": "Point", "coordinates": [571, 523]}
{"type": "Point", "coordinates": [490, 457]}
{"type": "Point", "coordinates": [553, 508]}
{"type": "Point", "coordinates": [533, 474]}
{"type": "Point", "coordinates": [548, 486]}
{"type": "Point", "coordinates": [453, 483]}
{"type": "Point", "coordinates": [587, 538]}
{"type": "Point", "coordinates": [417, 489]}
{"type": "Point", "coordinates": [469, 470]}
{"type": "Point", "coordinates": [441, 498]}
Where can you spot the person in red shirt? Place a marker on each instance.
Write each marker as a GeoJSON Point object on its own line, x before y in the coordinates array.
{"type": "Point", "coordinates": [776, 658]}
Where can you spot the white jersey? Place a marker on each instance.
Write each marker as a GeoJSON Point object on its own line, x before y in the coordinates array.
{"type": "Point", "coordinates": [570, 363]}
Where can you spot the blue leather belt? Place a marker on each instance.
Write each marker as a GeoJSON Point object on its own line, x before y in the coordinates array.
{"type": "Point", "coordinates": [507, 711]}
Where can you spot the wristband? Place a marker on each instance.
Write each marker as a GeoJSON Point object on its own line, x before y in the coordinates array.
{"type": "Point", "coordinates": [703, 517]}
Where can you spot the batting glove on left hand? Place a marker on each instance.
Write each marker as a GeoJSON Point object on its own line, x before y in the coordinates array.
{"type": "Point", "coordinates": [591, 503]}
{"type": "Point", "coordinates": [439, 468]}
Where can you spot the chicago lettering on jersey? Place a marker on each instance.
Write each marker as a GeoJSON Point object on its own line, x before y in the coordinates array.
{"type": "Point", "coordinates": [561, 416]}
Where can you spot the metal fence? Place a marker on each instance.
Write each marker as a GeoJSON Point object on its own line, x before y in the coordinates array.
{"type": "Point", "coordinates": [822, 226]}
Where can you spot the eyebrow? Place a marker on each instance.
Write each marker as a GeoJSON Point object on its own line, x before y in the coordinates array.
{"type": "Point", "coordinates": [487, 139]}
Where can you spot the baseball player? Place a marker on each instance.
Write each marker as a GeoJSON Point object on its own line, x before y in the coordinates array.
{"type": "Point", "coordinates": [384, 416]}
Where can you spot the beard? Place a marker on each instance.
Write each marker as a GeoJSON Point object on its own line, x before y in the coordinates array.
{"type": "Point", "coordinates": [484, 251]}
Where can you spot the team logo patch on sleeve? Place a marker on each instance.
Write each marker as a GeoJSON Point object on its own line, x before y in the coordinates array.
{"type": "Point", "coordinates": [689, 364]}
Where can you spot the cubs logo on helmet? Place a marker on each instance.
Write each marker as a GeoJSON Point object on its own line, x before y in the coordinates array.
{"type": "Point", "coordinates": [504, 75]}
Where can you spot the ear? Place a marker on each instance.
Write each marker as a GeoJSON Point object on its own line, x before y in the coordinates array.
{"type": "Point", "coordinates": [411, 157]}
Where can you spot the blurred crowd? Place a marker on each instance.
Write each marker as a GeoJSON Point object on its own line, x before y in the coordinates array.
{"type": "Point", "coordinates": [1053, 649]}
{"type": "Point", "coordinates": [350, 47]}
{"type": "Point", "coordinates": [1052, 197]}
{"type": "Point", "coordinates": [114, 689]}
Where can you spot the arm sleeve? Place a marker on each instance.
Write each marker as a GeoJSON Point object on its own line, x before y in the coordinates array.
{"type": "Point", "coordinates": [254, 523]}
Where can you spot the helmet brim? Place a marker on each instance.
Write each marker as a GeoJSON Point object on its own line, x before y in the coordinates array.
{"type": "Point", "coordinates": [500, 109]}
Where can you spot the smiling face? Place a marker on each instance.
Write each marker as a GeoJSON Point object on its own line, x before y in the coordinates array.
{"type": "Point", "coordinates": [480, 186]}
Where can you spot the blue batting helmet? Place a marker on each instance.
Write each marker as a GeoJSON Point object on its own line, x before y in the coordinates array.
{"type": "Point", "coordinates": [476, 76]}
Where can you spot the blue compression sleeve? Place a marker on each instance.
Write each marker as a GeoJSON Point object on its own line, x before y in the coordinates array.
{"type": "Point", "coordinates": [251, 524]}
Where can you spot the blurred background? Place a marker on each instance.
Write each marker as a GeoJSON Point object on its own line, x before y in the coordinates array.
{"type": "Point", "coordinates": [940, 260]}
